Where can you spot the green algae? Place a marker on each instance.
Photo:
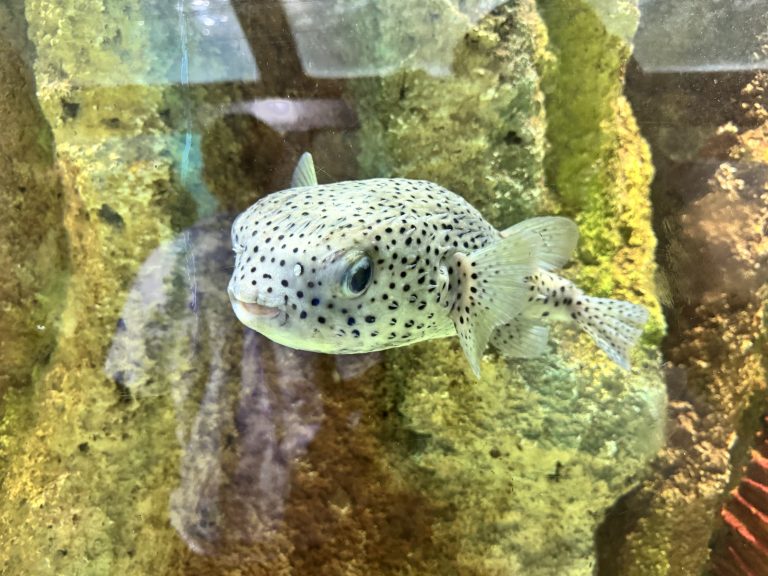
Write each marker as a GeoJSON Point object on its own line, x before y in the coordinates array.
{"type": "Point", "coordinates": [532, 436]}
{"type": "Point", "coordinates": [473, 472]}
{"type": "Point", "coordinates": [515, 452]}
{"type": "Point", "coordinates": [490, 153]}
{"type": "Point", "coordinates": [240, 156]}
{"type": "Point", "coordinates": [33, 250]}
{"type": "Point", "coordinates": [598, 164]}
{"type": "Point", "coordinates": [86, 485]}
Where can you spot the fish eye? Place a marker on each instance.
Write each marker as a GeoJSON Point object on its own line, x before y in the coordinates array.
{"type": "Point", "coordinates": [358, 276]}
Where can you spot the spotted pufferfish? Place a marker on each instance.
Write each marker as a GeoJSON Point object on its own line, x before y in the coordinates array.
{"type": "Point", "coordinates": [368, 265]}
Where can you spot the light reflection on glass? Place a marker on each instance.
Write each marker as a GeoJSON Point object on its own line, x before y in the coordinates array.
{"type": "Point", "coordinates": [299, 115]}
{"type": "Point", "coordinates": [695, 36]}
{"type": "Point", "coordinates": [343, 39]}
{"type": "Point", "coordinates": [246, 409]}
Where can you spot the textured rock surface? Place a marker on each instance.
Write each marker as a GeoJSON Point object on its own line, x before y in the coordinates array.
{"type": "Point", "coordinates": [562, 433]}
{"type": "Point", "coordinates": [166, 439]}
{"type": "Point", "coordinates": [479, 131]}
{"type": "Point", "coordinates": [87, 478]}
{"type": "Point", "coordinates": [710, 209]}
{"type": "Point", "coordinates": [598, 164]}
{"type": "Point", "coordinates": [33, 249]}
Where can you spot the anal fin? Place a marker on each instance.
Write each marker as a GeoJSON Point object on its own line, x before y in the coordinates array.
{"type": "Point", "coordinates": [521, 338]}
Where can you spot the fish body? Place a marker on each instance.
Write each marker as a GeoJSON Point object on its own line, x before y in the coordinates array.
{"type": "Point", "coordinates": [369, 265]}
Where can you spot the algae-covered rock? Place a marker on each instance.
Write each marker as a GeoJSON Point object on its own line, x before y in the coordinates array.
{"type": "Point", "coordinates": [86, 482]}
{"type": "Point", "coordinates": [530, 457]}
{"type": "Point", "coordinates": [33, 251]}
{"type": "Point", "coordinates": [710, 203]}
{"type": "Point", "coordinates": [479, 132]}
{"type": "Point", "coordinates": [598, 163]}
{"type": "Point", "coordinates": [165, 439]}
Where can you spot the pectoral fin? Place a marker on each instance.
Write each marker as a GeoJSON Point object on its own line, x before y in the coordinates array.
{"type": "Point", "coordinates": [489, 289]}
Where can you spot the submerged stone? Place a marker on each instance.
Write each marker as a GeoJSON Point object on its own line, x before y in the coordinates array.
{"type": "Point", "coordinates": [167, 440]}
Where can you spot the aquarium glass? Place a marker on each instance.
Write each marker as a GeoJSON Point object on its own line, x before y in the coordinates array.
{"type": "Point", "coordinates": [499, 307]}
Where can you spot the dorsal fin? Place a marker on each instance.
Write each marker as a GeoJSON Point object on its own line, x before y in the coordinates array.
{"type": "Point", "coordinates": [304, 173]}
{"type": "Point", "coordinates": [558, 238]}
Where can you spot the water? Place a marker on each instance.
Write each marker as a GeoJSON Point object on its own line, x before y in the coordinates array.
{"type": "Point", "coordinates": [146, 431]}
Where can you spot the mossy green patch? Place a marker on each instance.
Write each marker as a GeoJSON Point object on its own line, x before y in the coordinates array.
{"type": "Point", "coordinates": [567, 432]}
{"type": "Point", "coordinates": [86, 480]}
{"type": "Point", "coordinates": [598, 165]}
{"type": "Point", "coordinates": [33, 248]}
{"type": "Point", "coordinates": [487, 117]}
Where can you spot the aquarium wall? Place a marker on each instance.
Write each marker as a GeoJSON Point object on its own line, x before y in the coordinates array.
{"type": "Point", "coordinates": [145, 430]}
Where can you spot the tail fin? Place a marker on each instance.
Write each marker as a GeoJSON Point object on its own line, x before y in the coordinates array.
{"type": "Point", "coordinates": [615, 325]}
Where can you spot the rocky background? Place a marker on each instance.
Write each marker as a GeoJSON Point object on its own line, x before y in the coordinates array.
{"type": "Point", "coordinates": [707, 130]}
{"type": "Point", "coordinates": [145, 431]}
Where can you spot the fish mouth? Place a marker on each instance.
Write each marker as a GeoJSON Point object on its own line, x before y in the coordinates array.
{"type": "Point", "coordinates": [258, 310]}
{"type": "Point", "coordinates": [245, 310]}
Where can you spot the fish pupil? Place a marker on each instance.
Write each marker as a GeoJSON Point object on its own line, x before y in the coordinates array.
{"type": "Point", "coordinates": [359, 275]}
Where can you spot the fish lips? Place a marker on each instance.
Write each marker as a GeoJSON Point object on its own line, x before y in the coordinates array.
{"type": "Point", "coordinates": [251, 312]}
